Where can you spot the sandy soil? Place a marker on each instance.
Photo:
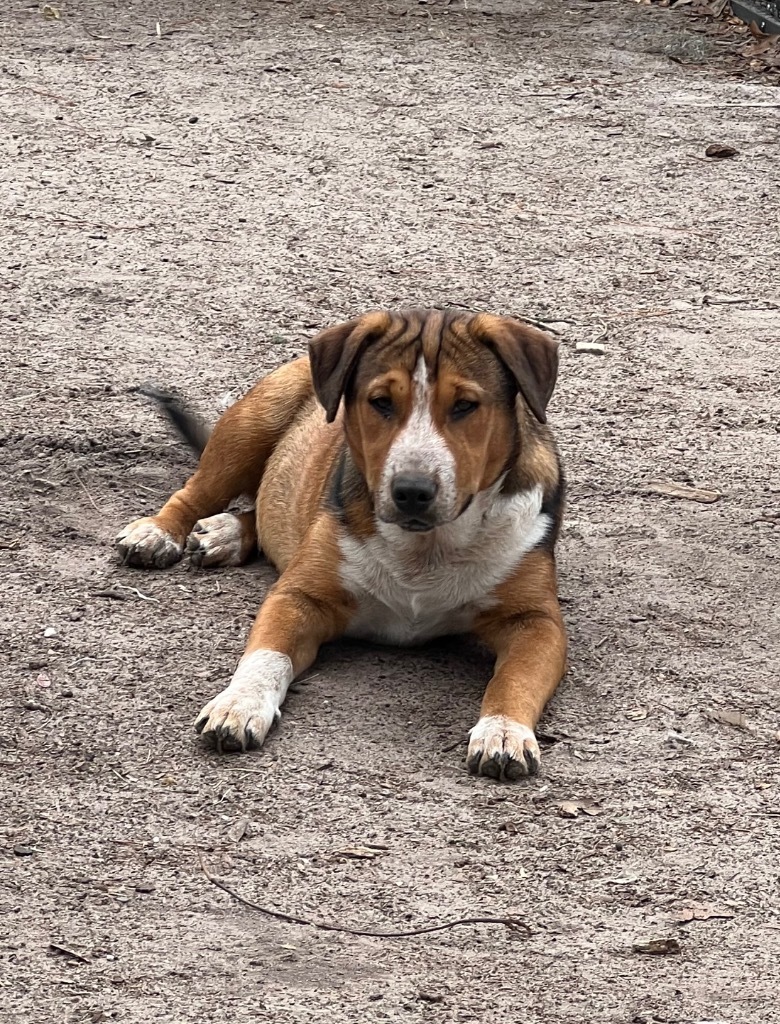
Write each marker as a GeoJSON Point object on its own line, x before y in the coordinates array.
{"type": "Point", "coordinates": [187, 209]}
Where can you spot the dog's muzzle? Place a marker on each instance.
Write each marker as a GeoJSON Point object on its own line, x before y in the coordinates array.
{"type": "Point", "coordinates": [414, 497]}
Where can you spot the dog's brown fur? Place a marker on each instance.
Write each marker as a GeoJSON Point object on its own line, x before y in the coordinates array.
{"type": "Point", "coordinates": [312, 441]}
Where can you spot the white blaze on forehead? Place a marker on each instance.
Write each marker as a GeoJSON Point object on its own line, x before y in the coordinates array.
{"type": "Point", "coordinates": [419, 447]}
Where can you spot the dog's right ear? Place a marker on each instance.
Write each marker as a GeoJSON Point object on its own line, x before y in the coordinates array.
{"type": "Point", "coordinates": [334, 354]}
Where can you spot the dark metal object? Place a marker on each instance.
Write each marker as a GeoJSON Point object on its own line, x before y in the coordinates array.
{"type": "Point", "coordinates": [765, 13]}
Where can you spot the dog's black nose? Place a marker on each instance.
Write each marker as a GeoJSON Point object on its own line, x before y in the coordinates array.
{"type": "Point", "coordinates": [413, 494]}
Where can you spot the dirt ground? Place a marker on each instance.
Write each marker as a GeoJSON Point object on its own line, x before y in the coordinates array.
{"type": "Point", "coordinates": [186, 208]}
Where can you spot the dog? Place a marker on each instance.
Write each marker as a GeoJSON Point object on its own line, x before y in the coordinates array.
{"type": "Point", "coordinates": [407, 487]}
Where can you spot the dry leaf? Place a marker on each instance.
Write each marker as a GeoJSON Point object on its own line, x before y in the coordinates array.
{"type": "Point", "coordinates": [574, 808]}
{"type": "Point", "coordinates": [657, 947]}
{"type": "Point", "coordinates": [755, 30]}
{"type": "Point", "coordinates": [590, 808]}
{"type": "Point", "coordinates": [237, 831]}
{"type": "Point", "coordinates": [760, 46]}
{"type": "Point", "coordinates": [669, 489]}
{"type": "Point", "coordinates": [720, 152]}
{"type": "Point", "coordinates": [735, 718]}
{"type": "Point", "coordinates": [568, 809]}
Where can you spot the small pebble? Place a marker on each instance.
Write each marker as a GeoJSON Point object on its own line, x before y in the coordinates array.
{"type": "Point", "coordinates": [592, 348]}
{"type": "Point", "coordinates": [49, 631]}
{"type": "Point", "coordinates": [23, 851]}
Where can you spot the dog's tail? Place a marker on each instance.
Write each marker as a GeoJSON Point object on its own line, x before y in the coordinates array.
{"type": "Point", "coordinates": [185, 422]}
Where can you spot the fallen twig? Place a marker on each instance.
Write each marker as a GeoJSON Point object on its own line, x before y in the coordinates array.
{"type": "Point", "coordinates": [107, 39]}
{"type": "Point", "coordinates": [513, 923]}
{"type": "Point", "coordinates": [639, 314]}
{"type": "Point", "coordinates": [77, 222]}
{"type": "Point", "coordinates": [135, 590]}
{"type": "Point", "coordinates": [725, 106]}
{"type": "Point", "coordinates": [542, 324]}
{"type": "Point", "coordinates": [48, 95]}
{"type": "Point", "coordinates": [83, 486]}
{"type": "Point", "coordinates": [71, 954]}
{"type": "Point", "coordinates": [671, 489]}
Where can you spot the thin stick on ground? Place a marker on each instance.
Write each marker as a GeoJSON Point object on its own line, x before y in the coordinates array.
{"type": "Point", "coordinates": [513, 923]}
{"type": "Point", "coordinates": [83, 486]}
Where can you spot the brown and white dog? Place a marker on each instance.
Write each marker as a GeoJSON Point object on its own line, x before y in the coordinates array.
{"type": "Point", "coordinates": [406, 488]}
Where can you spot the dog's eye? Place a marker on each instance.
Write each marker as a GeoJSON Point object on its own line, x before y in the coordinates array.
{"type": "Point", "coordinates": [383, 405]}
{"type": "Point", "coordinates": [463, 408]}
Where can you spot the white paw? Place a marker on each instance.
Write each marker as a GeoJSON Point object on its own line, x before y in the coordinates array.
{"type": "Point", "coordinates": [239, 718]}
{"type": "Point", "coordinates": [236, 720]}
{"type": "Point", "coordinates": [217, 540]}
{"type": "Point", "coordinates": [502, 749]}
{"type": "Point", "coordinates": [144, 543]}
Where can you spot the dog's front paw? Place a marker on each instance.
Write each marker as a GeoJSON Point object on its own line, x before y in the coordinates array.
{"type": "Point", "coordinates": [239, 718]}
{"type": "Point", "coordinates": [502, 749]}
{"type": "Point", "coordinates": [143, 543]}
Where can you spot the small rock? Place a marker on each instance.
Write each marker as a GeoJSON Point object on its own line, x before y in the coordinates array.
{"type": "Point", "coordinates": [238, 830]}
{"type": "Point", "coordinates": [23, 851]}
{"type": "Point", "coordinates": [145, 887]}
{"type": "Point", "coordinates": [657, 947]}
{"type": "Point", "coordinates": [720, 152]}
{"type": "Point", "coordinates": [677, 741]}
{"type": "Point", "coordinates": [33, 705]}
{"type": "Point", "coordinates": [430, 997]}
{"type": "Point", "coordinates": [49, 632]}
{"type": "Point", "coordinates": [591, 348]}
{"type": "Point", "coordinates": [556, 326]}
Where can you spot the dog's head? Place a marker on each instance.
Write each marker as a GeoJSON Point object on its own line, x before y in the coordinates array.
{"type": "Point", "coordinates": [430, 404]}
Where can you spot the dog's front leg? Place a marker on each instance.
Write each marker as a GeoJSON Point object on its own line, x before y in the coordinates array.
{"type": "Point", "coordinates": [527, 633]}
{"type": "Point", "coordinates": [307, 607]}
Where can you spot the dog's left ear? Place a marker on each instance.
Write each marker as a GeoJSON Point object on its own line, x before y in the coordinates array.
{"type": "Point", "coordinates": [530, 355]}
{"type": "Point", "coordinates": [334, 353]}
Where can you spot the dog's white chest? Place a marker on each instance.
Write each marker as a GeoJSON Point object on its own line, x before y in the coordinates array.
{"type": "Point", "coordinates": [411, 587]}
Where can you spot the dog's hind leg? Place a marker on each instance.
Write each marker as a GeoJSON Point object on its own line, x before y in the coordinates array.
{"type": "Point", "coordinates": [231, 466]}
